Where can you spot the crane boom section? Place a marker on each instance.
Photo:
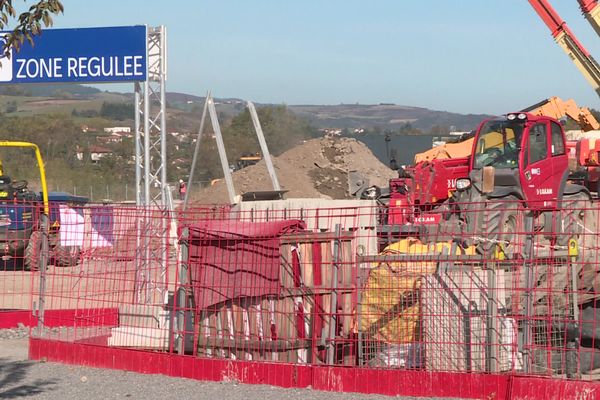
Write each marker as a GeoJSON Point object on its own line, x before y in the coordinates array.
{"type": "Point", "coordinates": [591, 11]}
{"type": "Point", "coordinates": [563, 36]}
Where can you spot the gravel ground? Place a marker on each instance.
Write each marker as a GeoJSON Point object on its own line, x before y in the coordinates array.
{"type": "Point", "coordinates": [20, 378]}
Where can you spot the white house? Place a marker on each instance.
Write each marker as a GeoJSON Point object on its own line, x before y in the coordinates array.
{"type": "Point", "coordinates": [117, 129]}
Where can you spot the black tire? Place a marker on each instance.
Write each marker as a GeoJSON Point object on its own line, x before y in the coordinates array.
{"type": "Point", "coordinates": [65, 256]}
{"type": "Point", "coordinates": [501, 222]}
{"type": "Point", "coordinates": [574, 215]}
{"type": "Point", "coordinates": [31, 256]}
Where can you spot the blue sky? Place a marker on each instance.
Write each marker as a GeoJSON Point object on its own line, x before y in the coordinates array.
{"type": "Point", "coordinates": [468, 56]}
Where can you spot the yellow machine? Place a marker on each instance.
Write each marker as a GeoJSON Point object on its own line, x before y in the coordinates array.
{"type": "Point", "coordinates": [24, 225]}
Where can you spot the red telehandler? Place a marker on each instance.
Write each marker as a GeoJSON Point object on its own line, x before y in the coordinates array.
{"type": "Point", "coordinates": [525, 160]}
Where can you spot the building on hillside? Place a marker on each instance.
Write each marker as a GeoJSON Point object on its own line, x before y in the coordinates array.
{"type": "Point", "coordinates": [330, 132]}
{"type": "Point", "coordinates": [115, 129]}
{"type": "Point", "coordinates": [98, 152]}
{"type": "Point", "coordinates": [115, 137]}
{"type": "Point", "coordinates": [180, 136]}
{"type": "Point", "coordinates": [79, 153]}
{"type": "Point", "coordinates": [88, 129]}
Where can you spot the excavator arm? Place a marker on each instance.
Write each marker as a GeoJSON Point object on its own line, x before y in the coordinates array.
{"type": "Point", "coordinates": [557, 108]}
{"type": "Point", "coordinates": [568, 42]}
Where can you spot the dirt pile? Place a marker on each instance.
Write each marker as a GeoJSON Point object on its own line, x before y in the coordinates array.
{"type": "Point", "coordinates": [317, 168]}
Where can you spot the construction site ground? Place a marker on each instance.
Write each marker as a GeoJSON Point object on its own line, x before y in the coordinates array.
{"type": "Point", "coordinates": [21, 378]}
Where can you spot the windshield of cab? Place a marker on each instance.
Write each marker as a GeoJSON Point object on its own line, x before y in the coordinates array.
{"type": "Point", "coordinates": [498, 144]}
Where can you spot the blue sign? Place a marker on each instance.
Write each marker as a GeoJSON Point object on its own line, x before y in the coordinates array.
{"type": "Point", "coordinates": [112, 54]}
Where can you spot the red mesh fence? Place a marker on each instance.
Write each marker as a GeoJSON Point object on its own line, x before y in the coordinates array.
{"type": "Point", "coordinates": [477, 288]}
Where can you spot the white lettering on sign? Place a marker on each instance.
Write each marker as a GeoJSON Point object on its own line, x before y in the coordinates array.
{"type": "Point", "coordinates": [451, 183]}
{"type": "Point", "coordinates": [535, 171]}
{"type": "Point", "coordinates": [543, 191]}
{"type": "Point", "coordinates": [428, 219]}
{"type": "Point", "coordinates": [424, 219]}
{"type": "Point", "coordinates": [42, 68]}
{"type": "Point", "coordinates": [80, 67]}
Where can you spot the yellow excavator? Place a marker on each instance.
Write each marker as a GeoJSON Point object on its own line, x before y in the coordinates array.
{"type": "Point", "coordinates": [553, 107]}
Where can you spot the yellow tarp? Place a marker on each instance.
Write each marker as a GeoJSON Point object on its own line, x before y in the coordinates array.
{"type": "Point", "coordinates": [389, 307]}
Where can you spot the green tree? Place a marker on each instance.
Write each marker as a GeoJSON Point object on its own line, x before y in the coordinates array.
{"type": "Point", "coordinates": [11, 107]}
{"type": "Point", "coordinates": [118, 111]}
{"type": "Point", "coordinates": [29, 23]}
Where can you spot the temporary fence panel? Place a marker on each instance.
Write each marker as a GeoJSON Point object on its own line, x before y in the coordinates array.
{"type": "Point", "coordinates": [486, 290]}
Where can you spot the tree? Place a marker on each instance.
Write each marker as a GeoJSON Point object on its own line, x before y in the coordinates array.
{"type": "Point", "coordinates": [11, 107]}
{"type": "Point", "coordinates": [29, 22]}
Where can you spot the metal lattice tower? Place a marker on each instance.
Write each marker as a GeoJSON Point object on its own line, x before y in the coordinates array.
{"type": "Point", "coordinates": [150, 121]}
{"type": "Point", "coordinates": [152, 189]}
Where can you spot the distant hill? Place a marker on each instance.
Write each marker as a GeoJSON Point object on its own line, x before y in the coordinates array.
{"type": "Point", "coordinates": [385, 116]}
{"type": "Point", "coordinates": [53, 90]}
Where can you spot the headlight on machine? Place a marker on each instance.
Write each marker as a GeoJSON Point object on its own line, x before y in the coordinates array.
{"type": "Point", "coordinates": [463, 184]}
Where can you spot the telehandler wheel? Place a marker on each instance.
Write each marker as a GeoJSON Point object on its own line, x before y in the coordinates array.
{"type": "Point", "coordinates": [62, 256]}
{"type": "Point", "coordinates": [65, 256]}
{"type": "Point", "coordinates": [32, 252]}
{"type": "Point", "coordinates": [501, 222]}
{"type": "Point", "coordinates": [576, 212]}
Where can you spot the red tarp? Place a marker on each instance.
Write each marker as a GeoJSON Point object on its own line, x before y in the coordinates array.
{"type": "Point", "coordinates": [231, 259]}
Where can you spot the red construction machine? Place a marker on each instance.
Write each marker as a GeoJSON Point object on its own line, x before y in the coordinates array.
{"type": "Point", "coordinates": [520, 158]}
{"type": "Point", "coordinates": [431, 181]}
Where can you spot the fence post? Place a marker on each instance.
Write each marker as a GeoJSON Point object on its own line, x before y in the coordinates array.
{"type": "Point", "coordinates": [529, 282]}
{"type": "Point", "coordinates": [572, 357]}
{"type": "Point", "coordinates": [492, 318]}
{"type": "Point", "coordinates": [334, 285]}
{"type": "Point", "coordinates": [43, 264]}
{"type": "Point", "coordinates": [181, 298]}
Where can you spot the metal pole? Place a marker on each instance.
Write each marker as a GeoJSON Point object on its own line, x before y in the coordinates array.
{"type": "Point", "coordinates": [138, 145]}
{"type": "Point", "coordinates": [334, 294]}
{"type": "Point", "coordinates": [529, 282]}
{"type": "Point", "coordinates": [167, 205]}
{"type": "Point", "coordinates": [196, 150]}
{"type": "Point", "coordinates": [43, 263]}
{"type": "Point", "coordinates": [492, 320]}
{"type": "Point", "coordinates": [221, 146]}
{"type": "Point", "coordinates": [147, 158]}
{"type": "Point", "coordinates": [163, 119]}
{"type": "Point", "coordinates": [181, 298]}
{"type": "Point", "coordinates": [263, 146]}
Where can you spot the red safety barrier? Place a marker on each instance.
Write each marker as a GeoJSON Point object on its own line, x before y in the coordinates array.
{"type": "Point", "coordinates": [482, 300]}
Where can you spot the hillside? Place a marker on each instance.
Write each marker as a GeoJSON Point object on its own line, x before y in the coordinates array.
{"type": "Point", "coordinates": [384, 116]}
{"type": "Point", "coordinates": [369, 116]}
{"type": "Point", "coordinates": [68, 122]}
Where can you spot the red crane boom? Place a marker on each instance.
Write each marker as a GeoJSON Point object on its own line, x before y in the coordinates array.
{"type": "Point", "coordinates": [567, 40]}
